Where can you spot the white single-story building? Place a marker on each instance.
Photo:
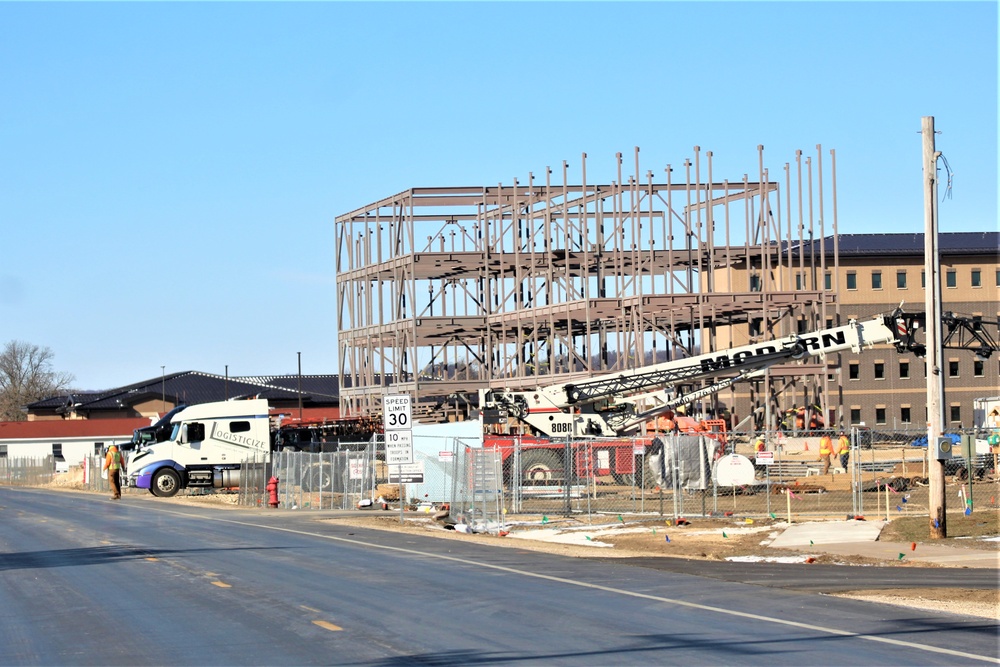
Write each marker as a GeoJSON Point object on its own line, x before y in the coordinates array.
{"type": "Point", "coordinates": [69, 440]}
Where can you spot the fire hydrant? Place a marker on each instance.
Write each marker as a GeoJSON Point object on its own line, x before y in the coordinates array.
{"type": "Point", "coordinates": [272, 491]}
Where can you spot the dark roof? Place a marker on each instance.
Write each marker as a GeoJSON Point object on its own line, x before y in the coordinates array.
{"type": "Point", "coordinates": [949, 243]}
{"type": "Point", "coordinates": [193, 387]}
{"type": "Point", "coordinates": [327, 386]}
{"type": "Point", "coordinates": [67, 400]}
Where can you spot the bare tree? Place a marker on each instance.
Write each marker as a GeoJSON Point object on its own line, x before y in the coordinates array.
{"type": "Point", "coordinates": [26, 376]}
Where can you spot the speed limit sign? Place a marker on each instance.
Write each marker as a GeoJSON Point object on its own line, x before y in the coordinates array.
{"type": "Point", "coordinates": [398, 436]}
{"type": "Point", "coordinates": [396, 412]}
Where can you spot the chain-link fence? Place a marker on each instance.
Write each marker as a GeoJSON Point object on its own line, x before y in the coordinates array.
{"type": "Point", "coordinates": [881, 473]}
{"type": "Point", "coordinates": [884, 473]}
{"type": "Point", "coordinates": [42, 471]}
{"type": "Point", "coordinates": [27, 471]}
{"type": "Point", "coordinates": [305, 480]}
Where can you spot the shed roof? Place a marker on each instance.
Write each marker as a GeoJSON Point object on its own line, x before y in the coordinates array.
{"type": "Point", "coordinates": [71, 428]}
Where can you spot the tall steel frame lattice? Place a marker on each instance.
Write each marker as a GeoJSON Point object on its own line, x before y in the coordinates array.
{"type": "Point", "coordinates": [443, 291]}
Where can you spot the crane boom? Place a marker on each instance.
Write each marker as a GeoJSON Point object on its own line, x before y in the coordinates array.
{"type": "Point", "coordinates": [603, 406]}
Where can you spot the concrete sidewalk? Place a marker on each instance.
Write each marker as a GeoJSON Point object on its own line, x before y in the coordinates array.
{"type": "Point", "coordinates": [860, 538]}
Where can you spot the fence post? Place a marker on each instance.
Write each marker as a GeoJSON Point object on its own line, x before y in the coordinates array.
{"type": "Point", "coordinates": [568, 470]}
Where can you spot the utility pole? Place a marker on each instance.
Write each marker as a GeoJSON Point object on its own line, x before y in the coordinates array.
{"type": "Point", "coordinates": [935, 350]}
{"type": "Point", "coordinates": [300, 385]}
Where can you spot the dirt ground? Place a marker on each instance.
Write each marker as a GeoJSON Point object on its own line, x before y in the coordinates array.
{"type": "Point", "coordinates": [629, 537]}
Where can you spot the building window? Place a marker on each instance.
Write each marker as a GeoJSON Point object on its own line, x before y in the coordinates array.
{"type": "Point", "coordinates": [756, 326]}
{"type": "Point", "coordinates": [853, 371]}
{"type": "Point", "coordinates": [998, 277]}
{"type": "Point", "coordinates": [978, 368]}
{"type": "Point", "coordinates": [953, 368]}
{"type": "Point", "coordinates": [956, 414]}
{"type": "Point", "coordinates": [57, 450]}
{"type": "Point", "coordinates": [3, 451]}
{"type": "Point", "coordinates": [98, 448]}
{"type": "Point", "coordinates": [798, 282]}
{"type": "Point", "coordinates": [879, 370]}
{"type": "Point", "coordinates": [852, 280]}
{"type": "Point", "coordinates": [904, 369]}
{"type": "Point", "coordinates": [951, 278]}
{"type": "Point", "coordinates": [828, 281]}
{"type": "Point", "coordinates": [829, 323]}
{"type": "Point", "coordinates": [904, 414]}
{"type": "Point", "coordinates": [855, 416]}
{"type": "Point", "coordinates": [754, 283]}
{"type": "Point", "coordinates": [977, 278]}
{"type": "Point", "coordinates": [876, 280]}
{"type": "Point", "coordinates": [901, 279]}
{"type": "Point", "coordinates": [923, 279]}
{"type": "Point", "coordinates": [801, 325]}
{"type": "Point", "coordinates": [880, 414]}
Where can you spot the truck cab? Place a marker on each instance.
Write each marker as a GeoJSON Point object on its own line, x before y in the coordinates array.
{"type": "Point", "coordinates": [206, 447]}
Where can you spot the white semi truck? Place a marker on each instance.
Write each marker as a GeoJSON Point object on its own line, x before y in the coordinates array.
{"type": "Point", "coordinates": [205, 448]}
{"type": "Point", "coordinates": [206, 444]}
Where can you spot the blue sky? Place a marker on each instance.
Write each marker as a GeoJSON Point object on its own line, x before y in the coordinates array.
{"type": "Point", "coordinates": [170, 173]}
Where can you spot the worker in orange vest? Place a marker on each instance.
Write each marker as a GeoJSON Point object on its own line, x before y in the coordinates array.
{"type": "Point", "coordinates": [825, 452]}
{"type": "Point", "coordinates": [843, 450]}
{"type": "Point", "coordinates": [114, 463]}
{"type": "Point", "coordinates": [759, 446]}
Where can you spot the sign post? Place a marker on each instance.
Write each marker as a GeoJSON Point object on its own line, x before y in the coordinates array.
{"type": "Point", "coordinates": [396, 420]}
{"type": "Point", "coordinates": [766, 459]}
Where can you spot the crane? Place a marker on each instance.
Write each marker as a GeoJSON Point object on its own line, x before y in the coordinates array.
{"type": "Point", "coordinates": [617, 404]}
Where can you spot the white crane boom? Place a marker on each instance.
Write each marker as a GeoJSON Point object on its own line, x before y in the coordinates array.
{"type": "Point", "coordinates": [572, 409]}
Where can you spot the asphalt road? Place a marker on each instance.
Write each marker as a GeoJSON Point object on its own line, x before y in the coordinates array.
{"type": "Point", "coordinates": [89, 581]}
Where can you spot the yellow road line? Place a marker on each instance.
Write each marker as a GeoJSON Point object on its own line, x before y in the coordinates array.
{"type": "Point", "coordinates": [327, 625]}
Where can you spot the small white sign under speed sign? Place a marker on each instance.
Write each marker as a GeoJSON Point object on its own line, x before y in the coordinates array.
{"type": "Point", "coordinates": [398, 447]}
{"type": "Point", "coordinates": [396, 412]}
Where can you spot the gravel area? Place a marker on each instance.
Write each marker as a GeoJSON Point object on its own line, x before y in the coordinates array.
{"type": "Point", "coordinates": [985, 604]}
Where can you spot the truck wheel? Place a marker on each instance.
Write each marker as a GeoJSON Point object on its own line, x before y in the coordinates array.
{"type": "Point", "coordinates": [321, 480]}
{"type": "Point", "coordinates": [166, 483]}
{"type": "Point", "coordinates": [541, 466]}
{"type": "Point", "coordinates": [316, 479]}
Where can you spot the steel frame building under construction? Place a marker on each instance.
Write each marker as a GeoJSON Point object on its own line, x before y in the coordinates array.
{"type": "Point", "coordinates": [444, 291]}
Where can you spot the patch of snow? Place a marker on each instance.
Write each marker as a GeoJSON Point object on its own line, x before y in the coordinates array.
{"type": "Point", "coordinates": [768, 559]}
{"type": "Point", "coordinates": [558, 537]}
{"type": "Point", "coordinates": [995, 538]}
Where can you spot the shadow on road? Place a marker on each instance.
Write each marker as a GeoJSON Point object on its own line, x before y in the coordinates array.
{"type": "Point", "coordinates": [30, 560]}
